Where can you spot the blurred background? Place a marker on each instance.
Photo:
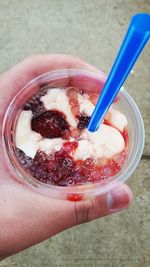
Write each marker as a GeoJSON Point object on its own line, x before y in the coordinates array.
{"type": "Point", "coordinates": [92, 30]}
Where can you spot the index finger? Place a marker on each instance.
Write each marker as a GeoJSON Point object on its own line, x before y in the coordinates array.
{"type": "Point", "coordinates": [17, 77]}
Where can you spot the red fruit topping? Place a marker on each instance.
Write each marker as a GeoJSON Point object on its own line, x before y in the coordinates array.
{"type": "Point", "coordinates": [50, 124]}
{"type": "Point", "coordinates": [120, 158]}
{"type": "Point", "coordinates": [40, 173]}
{"type": "Point", "coordinates": [107, 118]}
{"type": "Point", "coordinates": [50, 166]}
{"type": "Point", "coordinates": [79, 177]}
{"type": "Point", "coordinates": [83, 121]}
{"type": "Point", "coordinates": [101, 162]}
{"type": "Point", "coordinates": [70, 147]}
{"type": "Point", "coordinates": [95, 175]}
{"type": "Point", "coordinates": [66, 134]}
{"type": "Point", "coordinates": [107, 122]}
{"type": "Point", "coordinates": [26, 161]}
{"type": "Point", "coordinates": [60, 168]}
{"type": "Point", "coordinates": [125, 136]}
{"type": "Point", "coordinates": [93, 99]}
{"type": "Point", "coordinates": [107, 171]}
{"type": "Point", "coordinates": [81, 91]}
{"type": "Point", "coordinates": [64, 164]}
{"type": "Point", "coordinates": [73, 101]}
{"type": "Point", "coordinates": [35, 104]}
{"type": "Point", "coordinates": [68, 182]}
{"type": "Point", "coordinates": [75, 133]}
{"type": "Point", "coordinates": [88, 163]}
{"type": "Point", "coordinates": [41, 159]}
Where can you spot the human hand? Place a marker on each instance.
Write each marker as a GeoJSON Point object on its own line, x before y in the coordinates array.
{"type": "Point", "coordinates": [26, 217]}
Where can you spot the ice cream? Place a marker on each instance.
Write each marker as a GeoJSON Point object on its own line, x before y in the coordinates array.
{"type": "Point", "coordinates": [62, 124]}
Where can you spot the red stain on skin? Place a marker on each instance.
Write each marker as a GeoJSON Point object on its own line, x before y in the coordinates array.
{"type": "Point", "coordinates": [75, 197]}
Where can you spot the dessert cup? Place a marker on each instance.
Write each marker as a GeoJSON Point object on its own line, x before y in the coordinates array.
{"type": "Point", "coordinates": [88, 81]}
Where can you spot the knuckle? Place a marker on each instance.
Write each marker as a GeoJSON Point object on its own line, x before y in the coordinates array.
{"type": "Point", "coordinates": [34, 57]}
{"type": "Point", "coordinates": [90, 209]}
{"type": "Point", "coordinates": [83, 211]}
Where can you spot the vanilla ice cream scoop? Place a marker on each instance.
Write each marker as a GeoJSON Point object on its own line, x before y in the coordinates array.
{"type": "Point", "coordinates": [105, 142]}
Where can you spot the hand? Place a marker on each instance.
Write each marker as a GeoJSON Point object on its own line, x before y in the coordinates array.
{"type": "Point", "coordinates": [26, 217]}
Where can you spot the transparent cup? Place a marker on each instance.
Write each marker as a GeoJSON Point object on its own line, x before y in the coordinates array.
{"type": "Point", "coordinates": [88, 81]}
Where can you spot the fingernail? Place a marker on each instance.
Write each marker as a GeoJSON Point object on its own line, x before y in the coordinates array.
{"type": "Point", "coordinates": [119, 198]}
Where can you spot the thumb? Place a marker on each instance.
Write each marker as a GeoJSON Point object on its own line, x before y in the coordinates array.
{"type": "Point", "coordinates": [35, 218]}
{"type": "Point", "coordinates": [112, 202]}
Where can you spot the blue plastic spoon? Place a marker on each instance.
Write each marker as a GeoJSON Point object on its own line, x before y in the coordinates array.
{"type": "Point", "coordinates": [135, 39]}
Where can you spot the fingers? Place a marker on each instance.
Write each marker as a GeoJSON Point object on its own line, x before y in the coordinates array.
{"type": "Point", "coordinates": [16, 78]}
{"type": "Point", "coordinates": [39, 64]}
{"type": "Point", "coordinates": [90, 209]}
{"type": "Point", "coordinates": [36, 218]}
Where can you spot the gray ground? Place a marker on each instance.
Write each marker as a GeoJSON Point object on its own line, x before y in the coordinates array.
{"type": "Point", "coordinates": [92, 30]}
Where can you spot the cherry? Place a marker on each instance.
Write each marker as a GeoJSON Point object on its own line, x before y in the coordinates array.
{"type": "Point", "coordinates": [41, 159]}
{"type": "Point", "coordinates": [26, 161]}
{"type": "Point", "coordinates": [50, 166]}
{"type": "Point", "coordinates": [40, 173]}
{"type": "Point", "coordinates": [83, 121]}
{"type": "Point", "coordinates": [61, 169]}
{"type": "Point", "coordinates": [79, 178]}
{"type": "Point", "coordinates": [95, 175]}
{"type": "Point", "coordinates": [64, 166]}
{"type": "Point", "coordinates": [50, 124]}
{"type": "Point", "coordinates": [35, 105]}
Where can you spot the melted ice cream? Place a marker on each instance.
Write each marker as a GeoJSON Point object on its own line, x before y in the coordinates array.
{"type": "Point", "coordinates": [26, 139]}
{"type": "Point", "coordinates": [105, 142]}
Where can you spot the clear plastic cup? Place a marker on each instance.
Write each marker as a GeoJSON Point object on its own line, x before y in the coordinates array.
{"type": "Point", "coordinates": [88, 81]}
